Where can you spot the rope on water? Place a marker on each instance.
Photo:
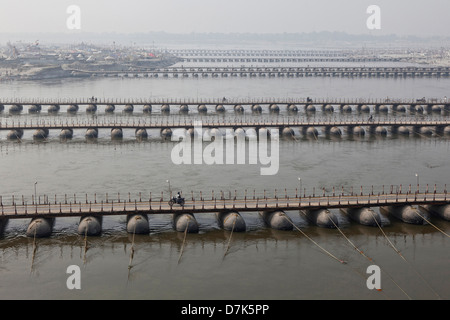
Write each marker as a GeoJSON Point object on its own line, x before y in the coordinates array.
{"type": "Point", "coordinates": [229, 240]}
{"type": "Point", "coordinates": [131, 254]}
{"type": "Point", "coordinates": [368, 258]}
{"type": "Point", "coordinates": [353, 245]}
{"type": "Point", "coordinates": [384, 234]}
{"type": "Point", "coordinates": [398, 252]}
{"type": "Point", "coordinates": [315, 136]}
{"type": "Point", "coordinates": [34, 240]}
{"type": "Point", "coordinates": [184, 240]}
{"type": "Point", "coordinates": [323, 249]}
{"type": "Point", "coordinates": [132, 249]}
{"type": "Point", "coordinates": [34, 248]}
{"type": "Point", "coordinates": [86, 247]}
{"type": "Point", "coordinates": [429, 222]}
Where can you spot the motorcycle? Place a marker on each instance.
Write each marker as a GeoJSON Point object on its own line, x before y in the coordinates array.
{"type": "Point", "coordinates": [176, 200]}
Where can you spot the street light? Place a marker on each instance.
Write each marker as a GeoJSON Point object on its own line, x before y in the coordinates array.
{"type": "Point", "coordinates": [35, 192]}
{"type": "Point", "coordinates": [417, 176]}
{"type": "Point", "coordinates": [170, 190]}
{"type": "Point", "coordinates": [300, 185]}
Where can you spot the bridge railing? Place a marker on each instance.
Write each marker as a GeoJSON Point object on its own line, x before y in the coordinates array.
{"type": "Point", "coordinates": [235, 198]}
{"type": "Point", "coordinates": [162, 121]}
{"type": "Point", "coordinates": [218, 100]}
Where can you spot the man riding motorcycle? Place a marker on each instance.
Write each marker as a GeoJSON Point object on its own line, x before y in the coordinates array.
{"type": "Point", "coordinates": [178, 199]}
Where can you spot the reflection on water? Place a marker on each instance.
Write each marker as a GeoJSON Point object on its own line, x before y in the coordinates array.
{"type": "Point", "coordinates": [286, 261]}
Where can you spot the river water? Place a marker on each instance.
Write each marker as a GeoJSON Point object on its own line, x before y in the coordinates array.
{"type": "Point", "coordinates": [260, 263]}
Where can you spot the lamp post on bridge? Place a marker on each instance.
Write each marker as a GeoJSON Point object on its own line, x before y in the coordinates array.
{"type": "Point", "coordinates": [35, 192]}
{"type": "Point", "coordinates": [300, 186]}
{"type": "Point", "coordinates": [417, 176]}
{"type": "Point", "coordinates": [170, 190]}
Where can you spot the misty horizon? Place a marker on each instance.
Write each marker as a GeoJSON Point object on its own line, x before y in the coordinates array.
{"type": "Point", "coordinates": [162, 37]}
{"type": "Point", "coordinates": [402, 18]}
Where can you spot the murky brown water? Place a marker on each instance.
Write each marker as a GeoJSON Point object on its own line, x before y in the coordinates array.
{"type": "Point", "coordinates": [260, 263]}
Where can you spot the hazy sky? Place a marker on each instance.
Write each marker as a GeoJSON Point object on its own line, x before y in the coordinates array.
{"type": "Point", "coordinates": [402, 17]}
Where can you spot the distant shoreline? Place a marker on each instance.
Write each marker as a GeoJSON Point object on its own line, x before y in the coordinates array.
{"type": "Point", "coordinates": [294, 40]}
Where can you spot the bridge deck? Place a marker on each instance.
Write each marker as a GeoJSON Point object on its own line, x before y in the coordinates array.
{"type": "Point", "coordinates": [152, 124]}
{"type": "Point", "coordinates": [274, 69]}
{"type": "Point", "coordinates": [70, 209]}
{"type": "Point", "coordinates": [221, 101]}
